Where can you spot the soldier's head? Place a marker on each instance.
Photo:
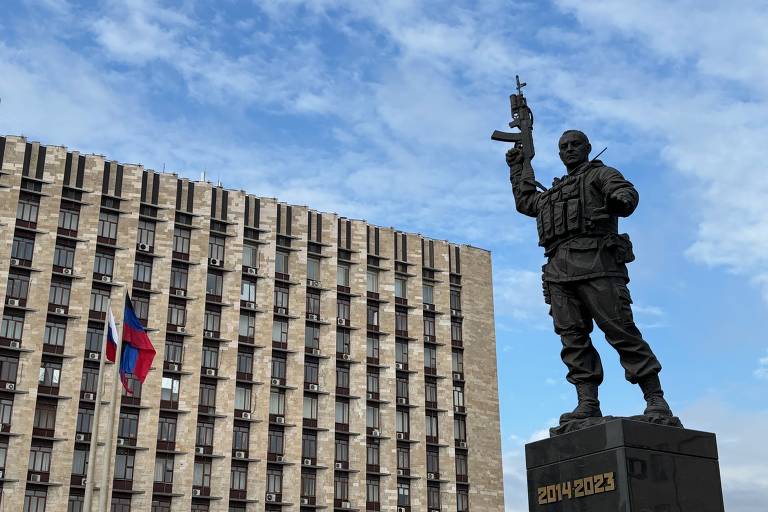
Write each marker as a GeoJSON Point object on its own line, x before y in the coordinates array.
{"type": "Point", "coordinates": [574, 148]}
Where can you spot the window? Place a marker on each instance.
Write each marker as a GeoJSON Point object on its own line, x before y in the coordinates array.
{"type": "Point", "coordinates": [22, 248]}
{"type": "Point", "coordinates": [275, 442]}
{"type": "Point", "coordinates": [69, 218]}
{"type": "Point", "coordinates": [308, 484]}
{"type": "Point", "coordinates": [429, 325]}
{"type": "Point", "coordinates": [64, 256]}
{"type": "Point", "coordinates": [461, 465]}
{"type": "Point", "coordinates": [372, 417]}
{"type": "Point", "coordinates": [455, 299]}
{"type": "Point", "coordinates": [401, 322]}
{"type": "Point", "coordinates": [164, 468]}
{"type": "Point", "coordinates": [372, 490]}
{"type": "Point", "coordinates": [241, 437]}
{"type": "Point", "coordinates": [373, 380]}
{"type": "Point", "coordinates": [177, 314]}
{"type": "Point", "coordinates": [342, 450]}
{"type": "Point", "coordinates": [207, 397]}
{"type": "Point", "coordinates": [181, 238]}
{"type": "Point", "coordinates": [247, 326]}
{"type": "Point", "coordinates": [243, 397]}
{"type": "Point", "coordinates": [433, 459]}
{"type": "Point", "coordinates": [202, 474]}
{"type": "Point", "coordinates": [34, 500]}
{"type": "Point", "coordinates": [278, 366]}
{"type": "Point", "coordinates": [342, 308]}
{"type": "Point", "coordinates": [18, 286]}
{"type": "Point", "coordinates": [27, 209]}
{"type": "Point", "coordinates": [204, 433]}
{"type": "Point", "coordinates": [400, 287]}
{"type": "Point", "coordinates": [12, 326]}
{"type": "Point", "coordinates": [342, 341]}
{"type": "Point", "coordinates": [401, 352]}
{"type": "Point", "coordinates": [250, 255]}
{"type": "Point", "coordinates": [90, 379]}
{"type": "Point", "coordinates": [311, 371]}
{"type": "Point", "coordinates": [459, 428]}
{"type": "Point", "coordinates": [80, 462]}
{"type": "Point", "coordinates": [430, 393]}
{"type": "Point", "coordinates": [161, 505]}
{"type": "Point", "coordinates": [281, 296]}
{"type": "Point", "coordinates": [179, 277]}
{"type": "Point", "coordinates": [313, 269]}
{"type": "Point", "coordinates": [248, 291]}
{"type": "Point", "coordinates": [84, 421]}
{"type": "Point", "coordinates": [141, 308]}
{"type": "Point", "coordinates": [403, 457]}
{"type": "Point", "coordinates": [433, 496]}
{"type": "Point", "coordinates": [372, 452]}
{"type": "Point", "coordinates": [58, 294]}
{"type": "Point", "coordinates": [402, 422]}
{"type": "Point", "coordinates": [313, 302]}
{"type": "Point", "coordinates": [373, 315]}
{"type": "Point", "coordinates": [9, 366]}
{"type": "Point", "coordinates": [147, 232]}
{"type": "Point", "coordinates": [462, 500]}
{"type": "Point", "coordinates": [457, 360]}
{"type": "Point", "coordinates": [54, 333]}
{"type": "Point", "coordinates": [456, 330]}
{"type": "Point", "coordinates": [174, 351]}
{"type": "Point", "coordinates": [312, 336]}
{"type": "Point", "coordinates": [342, 412]}
{"type": "Point", "coordinates": [372, 347]}
{"type": "Point", "coordinates": [120, 504]}
{"type": "Point", "coordinates": [40, 459]}
{"type": "Point", "coordinates": [245, 362]}
{"type": "Point", "coordinates": [104, 264]}
{"type": "Point", "coordinates": [309, 445]}
{"type": "Point", "coordinates": [210, 357]}
{"type": "Point", "coordinates": [342, 376]}
{"type": "Point", "coordinates": [239, 478]}
{"type": "Point", "coordinates": [128, 427]}
{"type": "Point", "coordinates": [45, 417]}
{"type": "Point", "coordinates": [214, 284]}
{"type": "Point", "coordinates": [430, 357]}
{"type": "Point", "coordinates": [373, 281]}
{"type": "Point", "coordinates": [274, 480]}
{"type": "Point", "coordinates": [124, 464]}
{"type": "Point", "coordinates": [342, 274]}
{"type": "Point", "coordinates": [166, 429]}
{"type": "Point", "coordinates": [212, 321]}
{"type": "Point", "coordinates": [142, 271]}
{"type": "Point", "coordinates": [107, 227]}
{"type": "Point", "coordinates": [428, 291]}
{"type": "Point", "coordinates": [402, 387]}
{"type": "Point", "coordinates": [93, 338]}
{"type": "Point", "coordinates": [99, 300]}
{"type": "Point", "coordinates": [277, 402]}
{"type": "Point", "coordinates": [341, 486]}
{"type": "Point", "coordinates": [50, 374]}
{"type": "Point", "coordinates": [134, 385]}
{"type": "Point", "coordinates": [169, 390]}
{"type": "Point", "coordinates": [432, 429]}
{"type": "Point", "coordinates": [458, 396]}
{"type": "Point", "coordinates": [403, 494]}
{"type": "Point", "coordinates": [281, 262]}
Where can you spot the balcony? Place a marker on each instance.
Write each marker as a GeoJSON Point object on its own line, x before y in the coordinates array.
{"type": "Point", "coordinates": [162, 487]}
{"type": "Point", "coordinates": [38, 477]}
{"type": "Point", "coordinates": [238, 494]}
{"type": "Point", "coordinates": [70, 233]}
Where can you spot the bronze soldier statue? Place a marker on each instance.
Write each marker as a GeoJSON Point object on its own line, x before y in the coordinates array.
{"type": "Point", "coordinates": [585, 278]}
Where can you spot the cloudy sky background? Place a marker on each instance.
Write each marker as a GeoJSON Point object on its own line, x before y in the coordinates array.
{"type": "Point", "coordinates": [384, 112]}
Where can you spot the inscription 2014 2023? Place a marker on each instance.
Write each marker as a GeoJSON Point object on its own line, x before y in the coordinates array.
{"type": "Point", "coordinates": [578, 488]}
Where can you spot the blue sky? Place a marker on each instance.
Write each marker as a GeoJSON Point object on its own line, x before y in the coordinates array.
{"type": "Point", "coordinates": [336, 103]}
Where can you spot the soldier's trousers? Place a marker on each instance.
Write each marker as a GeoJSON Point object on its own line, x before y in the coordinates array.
{"type": "Point", "coordinates": [605, 300]}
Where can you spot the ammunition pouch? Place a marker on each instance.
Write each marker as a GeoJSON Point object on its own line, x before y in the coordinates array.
{"type": "Point", "coordinates": [621, 246]}
{"type": "Point", "coordinates": [561, 211]}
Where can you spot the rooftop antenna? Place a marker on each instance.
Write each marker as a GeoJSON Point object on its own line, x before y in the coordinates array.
{"type": "Point", "coordinates": [163, 166]}
{"type": "Point", "coordinates": [202, 176]}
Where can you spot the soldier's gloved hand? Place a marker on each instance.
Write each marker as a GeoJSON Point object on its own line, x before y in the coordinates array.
{"type": "Point", "coordinates": [514, 157]}
{"type": "Point", "coordinates": [622, 201]}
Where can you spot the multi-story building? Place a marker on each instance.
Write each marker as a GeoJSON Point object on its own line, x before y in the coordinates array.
{"type": "Point", "coordinates": [304, 360]}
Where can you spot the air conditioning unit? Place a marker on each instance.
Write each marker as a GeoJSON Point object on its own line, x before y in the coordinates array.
{"type": "Point", "coordinates": [279, 458]}
{"type": "Point", "coordinates": [250, 305]}
{"type": "Point", "coordinates": [376, 433]}
{"type": "Point", "coordinates": [239, 455]}
{"type": "Point", "coordinates": [144, 247]}
{"type": "Point", "coordinates": [14, 261]}
{"type": "Point", "coordinates": [106, 279]}
{"type": "Point", "coordinates": [66, 271]}
{"type": "Point", "coordinates": [313, 316]}
{"type": "Point", "coordinates": [370, 396]}
{"type": "Point", "coordinates": [314, 387]}
{"type": "Point", "coordinates": [399, 366]}
{"type": "Point", "coordinates": [307, 462]}
{"type": "Point", "coordinates": [181, 329]}
{"type": "Point", "coordinates": [314, 283]}
{"type": "Point", "coordinates": [275, 382]}
{"type": "Point", "coordinates": [402, 400]}
{"type": "Point", "coordinates": [173, 367]}
{"type": "Point", "coordinates": [13, 302]}
{"type": "Point", "coordinates": [315, 351]}
{"type": "Point", "coordinates": [195, 492]}
{"type": "Point", "coordinates": [2, 474]}
{"type": "Point", "coordinates": [456, 312]}
{"type": "Point", "coordinates": [199, 450]}
{"type": "Point", "coordinates": [89, 396]}
{"type": "Point", "coordinates": [61, 311]}
{"type": "Point", "coordinates": [79, 437]}
{"type": "Point", "coordinates": [281, 311]}
{"type": "Point", "coordinates": [10, 386]}
{"type": "Point", "coordinates": [35, 478]}
{"type": "Point", "coordinates": [400, 472]}
{"type": "Point", "coordinates": [431, 476]}
{"type": "Point", "coordinates": [346, 504]}
{"type": "Point", "coordinates": [215, 262]}
{"type": "Point", "coordinates": [252, 271]}
{"type": "Point", "coordinates": [15, 344]}
{"type": "Point", "coordinates": [341, 321]}
{"type": "Point", "coordinates": [271, 498]}
{"type": "Point", "coordinates": [83, 481]}
{"type": "Point", "coordinates": [94, 356]}
{"type": "Point", "coordinates": [120, 441]}
{"type": "Point", "coordinates": [305, 501]}
{"type": "Point", "coordinates": [209, 334]}
{"type": "Point", "coordinates": [246, 415]}
{"type": "Point", "coordinates": [280, 420]}
{"type": "Point", "coordinates": [427, 339]}
{"type": "Point", "coordinates": [400, 435]}
{"type": "Point", "coordinates": [181, 293]}
{"type": "Point", "coordinates": [462, 444]}
{"type": "Point", "coordinates": [456, 376]}
{"type": "Point", "coordinates": [400, 509]}
{"type": "Point", "coordinates": [345, 357]}
{"type": "Point", "coordinates": [338, 465]}
{"type": "Point", "coordinates": [211, 372]}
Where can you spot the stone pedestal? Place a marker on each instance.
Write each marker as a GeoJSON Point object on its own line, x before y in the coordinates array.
{"type": "Point", "coordinates": [625, 466]}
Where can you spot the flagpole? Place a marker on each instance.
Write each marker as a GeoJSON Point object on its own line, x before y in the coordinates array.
{"type": "Point", "coordinates": [89, 483]}
{"type": "Point", "coordinates": [109, 441]}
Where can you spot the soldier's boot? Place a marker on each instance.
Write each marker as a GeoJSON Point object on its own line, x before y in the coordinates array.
{"type": "Point", "coordinates": [588, 406]}
{"type": "Point", "coordinates": [654, 396]}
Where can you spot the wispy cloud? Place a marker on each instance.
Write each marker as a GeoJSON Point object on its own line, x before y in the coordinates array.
{"type": "Point", "coordinates": [762, 368]}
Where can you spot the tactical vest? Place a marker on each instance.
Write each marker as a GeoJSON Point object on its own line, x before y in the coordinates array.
{"type": "Point", "coordinates": [564, 213]}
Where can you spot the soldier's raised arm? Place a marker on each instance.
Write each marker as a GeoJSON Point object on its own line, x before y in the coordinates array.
{"type": "Point", "coordinates": [621, 197]}
{"type": "Point", "coordinates": [523, 184]}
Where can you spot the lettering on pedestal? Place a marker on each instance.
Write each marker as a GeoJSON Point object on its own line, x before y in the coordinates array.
{"type": "Point", "coordinates": [579, 488]}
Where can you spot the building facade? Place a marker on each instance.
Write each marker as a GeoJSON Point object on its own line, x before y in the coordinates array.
{"type": "Point", "coordinates": [304, 360]}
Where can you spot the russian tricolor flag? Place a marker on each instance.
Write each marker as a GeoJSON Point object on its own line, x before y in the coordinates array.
{"type": "Point", "coordinates": [137, 350]}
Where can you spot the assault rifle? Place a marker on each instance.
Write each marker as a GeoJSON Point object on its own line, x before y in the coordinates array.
{"type": "Point", "coordinates": [522, 119]}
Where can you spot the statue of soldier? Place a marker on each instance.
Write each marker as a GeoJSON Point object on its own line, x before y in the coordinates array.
{"type": "Point", "coordinates": [585, 277]}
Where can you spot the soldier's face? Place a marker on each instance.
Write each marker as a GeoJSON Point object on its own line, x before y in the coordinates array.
{"type": "Point", "coordinates": [574, 150]}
